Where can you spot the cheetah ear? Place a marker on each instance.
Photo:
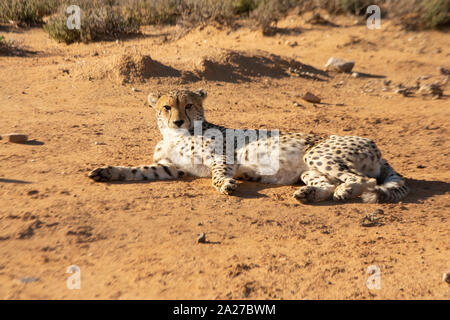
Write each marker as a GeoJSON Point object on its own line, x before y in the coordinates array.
{"type": "Point", "coordinates": [201, 93]}
{"type": "Point", "coordinates": [153, 99]}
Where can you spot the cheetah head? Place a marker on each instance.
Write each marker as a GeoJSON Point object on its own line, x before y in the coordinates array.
{"type": "Point", "coordinates": [178, 109]}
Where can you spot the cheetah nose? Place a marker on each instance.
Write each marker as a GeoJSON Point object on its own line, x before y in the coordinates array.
{"type": "Point", "coordinates": [179, 123]}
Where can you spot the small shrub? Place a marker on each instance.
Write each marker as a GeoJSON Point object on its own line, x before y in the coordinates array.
{"type": "Point", "coordinates": [244, 6]}
{"type": "Point", "coordinates": [270, 11]}
{"type": "Point", "coordinates": [100, 20]}
{"type": "Point", "coordinates": [158, 11]}
{"type": "Point", "coordinates": [435, 13]}
{"type": "Point", "coordinates": [356, 7]}
{"type": "Point", "coordinates": [27, 12]}
{"type": "Point", "coordinates": [202, 11]}
{"type": "Point", "coordinates": [11, 48]}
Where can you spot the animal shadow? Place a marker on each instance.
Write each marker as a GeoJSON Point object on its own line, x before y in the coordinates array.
{"type": "Point", "coordinates": [424, 189]}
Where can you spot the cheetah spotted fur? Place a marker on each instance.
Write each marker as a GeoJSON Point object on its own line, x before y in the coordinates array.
{"type": "Point", "coordinates": [335, 167]}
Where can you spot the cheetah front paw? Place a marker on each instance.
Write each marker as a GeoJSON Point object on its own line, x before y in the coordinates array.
{"type": "Point", "coordinates": [102, 174]}
{"type": "Point", "coordinates": [228, 187]}
{"type": "Point", "coordinates": [305, 194]}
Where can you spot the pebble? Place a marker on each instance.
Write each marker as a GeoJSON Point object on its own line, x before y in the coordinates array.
{"type": "Point", "coordinates": [444, 71]}
{"type": "Point", "coordinates": [308, 96]}
{"type": "Point", "coordinates": [291, 43]}
{"type": "Point", "coordinates": [201, 238]}
{"type": "Point", "coordinates": [17, 137]}
{"type": "Point", "coordinates": [27, 280]}
{"type": "Point", "coordinates": [99, 143]}
{"type": "Point", "coordinates": [446, 277]}
{"type": "Point", "coordinates": [423, 77]}
{"type": "Point", "coordinates": [378, 211]}
{"type": "Point", "coordinates": [356, 75]}
{"type": "Point", "coordinates": [339, 65]}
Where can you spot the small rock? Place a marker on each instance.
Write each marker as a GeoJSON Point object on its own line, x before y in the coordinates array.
{"type": "Point", "coordinates": [446, 277]}
{"type": "Point", "coordinates": [32, 192]}
{"type": "Point", "coordinates": [27, 280]}
{"type": "Point", "coordinates": [423, 77]}
{"type": "Point", "coordinates": [201, 238]}
{"type": "Point", "coordinates": [296, 104]}
{"type": "Point", "coordinates": [433, 89]}
{"type": "Point", "coordinates": [135, 89]}
{"type": "Point", "coordinates": [291, 43]}
{"type": "Point", "coordinates": [17, 137]}
{"type": "Point", "coordinates": [444, 71]}
{"type": "Point", "coordinates": [378, 211]}
{"type": "Point", "coordinates": [387, 82]}
{"type": "Point", "coordinates": [403, 91]}
{"type": "Point", "coordinates": [356, 75]}
{"type": "Point", "coordinates": [421, 166]}
{"type": "Point", "coordinates": [339, 65]}
{"type": "Point", "coordinates": [308, 96]}
{"type": "Point", "coordinates": [95, 54]}
{"type": "Point", "coordinates": [339, 84]}
{"type": "Point", "coordinates": [99, 143]}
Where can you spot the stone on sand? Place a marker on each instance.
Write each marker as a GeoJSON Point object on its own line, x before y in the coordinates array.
{"type": "Point", "coordinates": [340, 65]}
{"type": "Point", "coordinates": [16, 137]}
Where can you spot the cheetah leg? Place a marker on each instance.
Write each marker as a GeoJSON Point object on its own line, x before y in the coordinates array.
{"type": "Point", "coordinates": [156, 171]}
{"type": "Point", "coordinates": [222, 176]}
{"type": "Point", "coordinates": [353, 186]}
{"type": "Point", "coordinates": [318, 187]}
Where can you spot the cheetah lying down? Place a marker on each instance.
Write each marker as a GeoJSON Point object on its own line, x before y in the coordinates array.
{"type": "Point", "coordinates": [335, 167]}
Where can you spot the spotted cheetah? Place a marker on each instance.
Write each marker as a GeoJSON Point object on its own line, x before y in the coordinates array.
{"type": "Point", "coordinates": [334, 167]}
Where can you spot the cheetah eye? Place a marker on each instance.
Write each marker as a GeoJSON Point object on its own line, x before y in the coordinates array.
{"type": "Point", "coordinates": [167, 108]}
{"type": "Point", "coordinates": [188, 106]}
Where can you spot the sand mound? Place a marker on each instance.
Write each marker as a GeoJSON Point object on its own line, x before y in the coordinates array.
{"type": "Point", "coordinates": [232, 66]}
{"type": "Point", "coordinates": [127, 68]}
{"type": "Point", "coordinates": [222, 65]}
{"type": "Point", "coordinates": [132, 68]}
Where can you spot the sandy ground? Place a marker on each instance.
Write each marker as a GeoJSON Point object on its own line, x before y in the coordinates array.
{"type": "Point", "coordinates": [138, 240]}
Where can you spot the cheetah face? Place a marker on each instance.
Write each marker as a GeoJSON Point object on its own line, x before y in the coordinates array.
{"type": "Point", "coordinates": [178, 109]}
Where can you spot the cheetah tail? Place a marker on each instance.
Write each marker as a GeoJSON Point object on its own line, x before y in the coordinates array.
{"type": "Point", "coordinates": [391, 186]}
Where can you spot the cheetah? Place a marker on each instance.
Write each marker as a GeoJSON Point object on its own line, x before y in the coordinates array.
{"type": "Point", "coordinates": [333, 167]}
